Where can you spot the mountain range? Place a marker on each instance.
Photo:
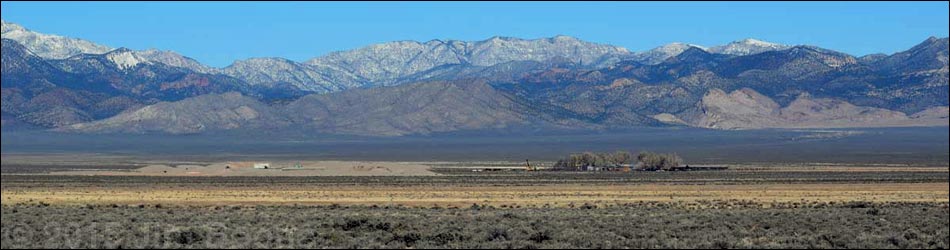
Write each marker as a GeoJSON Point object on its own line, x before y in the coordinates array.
{"type": "Point", "coordinates": [408, 87]}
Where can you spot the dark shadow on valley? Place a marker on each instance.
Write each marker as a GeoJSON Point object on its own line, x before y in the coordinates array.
{"type": "Point", "coordinates": [917, 146]}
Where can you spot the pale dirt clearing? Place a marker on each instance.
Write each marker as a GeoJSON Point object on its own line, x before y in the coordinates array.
{"type": "Point", "coordinates": [309, 168]}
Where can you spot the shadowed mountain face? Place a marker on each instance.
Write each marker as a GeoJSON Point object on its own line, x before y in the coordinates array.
{"type": "Point", "coordinates": [128, 73]}
{"type": "Point", "coordinates": [86, 87]}
{"type": "Point", "coordinates": [37, 92]}
{"type": "Point", "coordinates": [781, 75]}
{"type": "Point", "coordinates": [927, 56]}
{"type": "Point", "coordinates": [403, 88]}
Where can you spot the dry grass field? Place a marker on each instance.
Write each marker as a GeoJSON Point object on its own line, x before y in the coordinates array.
{"type": "Point", "coordinates": [414, 185]}
{"type": "Point", "coordinates": [459, 196]}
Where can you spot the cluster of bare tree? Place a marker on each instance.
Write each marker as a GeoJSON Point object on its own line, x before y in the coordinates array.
{"type": "Point", "coordinates": [586, 160]}
{"type": "Point", "coordinates": [647, 161]}
{"type": "Point", "coordinates": [650, 161]}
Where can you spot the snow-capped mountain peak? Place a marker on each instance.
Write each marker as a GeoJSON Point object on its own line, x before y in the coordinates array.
{"type": "Point", "coordinates": [125, 58]}
{"type": "Point", "coordinates": [747, 46]}
{"type": "Point", "coordinates": [756, 42]}
{"type": "Point", "coordinates": [50, 46]}
{"type": "Point", "coordinates": [660, 54]}
{"type": "Point", "coordinates": [174, 59]}
{"type": "Point", "coordinates": [678, 46]}
{"type": "Point", "coordinates": [389, 61]}
{"type": "Point", "coordinates": [7, 27]}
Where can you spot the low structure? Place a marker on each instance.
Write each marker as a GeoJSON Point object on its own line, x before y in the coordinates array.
{"type": "Point", "coordinates": [261, 165]}
{"type": "Point", "coordinates": [700, 168]}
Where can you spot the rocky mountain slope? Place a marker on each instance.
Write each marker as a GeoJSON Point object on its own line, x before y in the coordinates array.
{"type": "Point", "coordinates": [748, 109]}
{"type": "Point", "coordinates": [389, 61]}
{"type": "Point", "coordinates": [173, 59]}
{"type": "Point", "coordinates": [400, 62]}
{"type": "Point", "coordinates": [746, 47]}
{"type": "Point", "coordinates": [781, 75]}
{"type": "Point", "coordinates": [422, 108]}
{"type": "Point", "coordinates": [213, 112]}
{"type": "Point", "coordinates": [59, 47]}
{"type": "Point", "coordinates": [49, 46]}
{"type": "Point", "coordinates": [126, 72]}
{"type": "Point", "coordinates": [406, 87]}
{"type": "Point", "coordinates": [86, 87]}
{"type": "Point", "coordinates": [660, 54]}
{"type": "Point", "coordinates": [276, 72]}
{"type": "Point", "coordinates": [37, 92]}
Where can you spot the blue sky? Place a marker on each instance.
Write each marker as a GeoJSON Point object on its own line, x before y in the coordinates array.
{"type": "Point", "coordinates": [217, 33]}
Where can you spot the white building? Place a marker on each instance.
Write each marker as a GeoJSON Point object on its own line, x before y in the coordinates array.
{"type": "Point", "coordinates": [261, 165]}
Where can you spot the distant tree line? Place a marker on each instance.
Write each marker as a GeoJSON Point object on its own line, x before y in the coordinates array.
{"type": "Point", "coordinates": [646, 161]}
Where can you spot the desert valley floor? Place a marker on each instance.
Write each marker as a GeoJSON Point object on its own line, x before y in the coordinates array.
{"type": "Point", "coordinates": [881, 191]}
